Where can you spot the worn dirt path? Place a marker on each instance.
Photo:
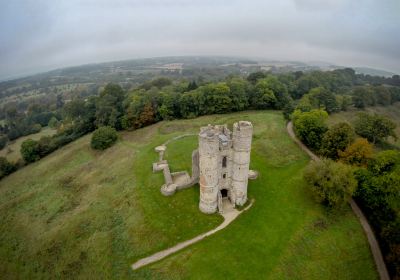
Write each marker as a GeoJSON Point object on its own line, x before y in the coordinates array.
{"type": "Point", "coordinates": [373, 244]}
{"type": "Point", "coordinates": [229, 215]}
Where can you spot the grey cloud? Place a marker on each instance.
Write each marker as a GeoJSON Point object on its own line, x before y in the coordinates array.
{"type": "Point", "coordinates": [44, 34]}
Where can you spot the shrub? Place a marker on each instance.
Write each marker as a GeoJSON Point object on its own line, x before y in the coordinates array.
{"type": "Point", "coordinates": [103, 138]}
{"type": "Point", "coordinates": [3, 141]}
{"type": "Point", "coordinates": [46, 145]}
{"type": "Point", "coordinates": [6, 167]}
{"type": "Point", "coordinates": [332, 183]}
{"type": "Point", "coordinates": [30, 150]}
{"type": "Point", "coordinates": [53, 122]}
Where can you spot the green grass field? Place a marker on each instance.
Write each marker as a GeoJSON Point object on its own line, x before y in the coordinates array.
{"type": "Point", "coordinates": [392, 112]}
{"type": "Point", "coordinates": [12, 150]}
{"type": "Point", "coordinates": [78, 213]}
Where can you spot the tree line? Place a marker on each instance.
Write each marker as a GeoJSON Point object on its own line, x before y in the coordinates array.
{"type": "Point", "coordinates": [351, 168]}
{"type": "Point", "coordinates": [166, 99]}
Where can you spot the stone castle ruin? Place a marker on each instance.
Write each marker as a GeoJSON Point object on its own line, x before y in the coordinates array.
{"type": "Point", "coordinates": [220, 165]}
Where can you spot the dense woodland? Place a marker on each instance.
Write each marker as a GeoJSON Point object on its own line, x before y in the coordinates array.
{"type": "Point", "coordinates": [305, 97]}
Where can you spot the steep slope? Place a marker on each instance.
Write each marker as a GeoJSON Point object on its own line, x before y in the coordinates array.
{"type": "Point", "coordinates": [81, 213]}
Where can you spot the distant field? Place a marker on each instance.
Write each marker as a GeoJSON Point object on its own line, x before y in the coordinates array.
{"type": "Point", "coordinates": [393, 112]}
{"type": "Point", "coordinates": [12, 150]}
{"type": "Point", "coordinates": [78, 213]}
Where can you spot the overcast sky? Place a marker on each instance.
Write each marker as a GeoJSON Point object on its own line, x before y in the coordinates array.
{"type": "Point", "coordinates": [40, 35]}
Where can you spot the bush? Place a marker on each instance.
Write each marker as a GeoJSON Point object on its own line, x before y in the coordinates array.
{"type": "Point", "coordinates": [6, 167]}
{"type": "Point", "coordinates": [30, 150]}
{"type": "Point", "coordinates": [46, 146]}
{"type": "Point", "coordinates": [3, 141]}
{"type": "Point", "coordinates": [103, 138]}
{"type": "Point", "coordinates": [53, 122]}
{"type": "Point", "coordinates": [332, 183]}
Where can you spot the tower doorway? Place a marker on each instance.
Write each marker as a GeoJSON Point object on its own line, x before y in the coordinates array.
{"type": "Point", "coordinates": [224, 193]}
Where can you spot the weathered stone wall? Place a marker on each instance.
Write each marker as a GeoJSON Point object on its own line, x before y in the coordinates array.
{"type": "Point", "coordinates": [216, 174]}
{"type": "Point", "coordinates": [220, 163]}
{"type": "Point", "coordinates": [242, 134]}
{"type": "Point", "coordinates": [209, 170]}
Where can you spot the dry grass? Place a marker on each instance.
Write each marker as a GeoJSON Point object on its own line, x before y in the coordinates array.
{"type": "Point", "coordinates": [12, 150]}
{"type": "Point", "coordinates": [78, 213]}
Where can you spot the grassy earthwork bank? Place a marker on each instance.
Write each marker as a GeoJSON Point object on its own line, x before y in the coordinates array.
{"type": "Point", "coordinates": [79, 213]}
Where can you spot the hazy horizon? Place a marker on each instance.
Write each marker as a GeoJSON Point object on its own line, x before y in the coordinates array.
{"type": "Point", "coordinates": [42, 35]}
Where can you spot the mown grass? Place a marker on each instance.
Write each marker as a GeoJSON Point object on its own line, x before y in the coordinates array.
{"type": "Point", "coordinates": [84, 214]}
{"type": "Point", "coordinates": [12, 150]}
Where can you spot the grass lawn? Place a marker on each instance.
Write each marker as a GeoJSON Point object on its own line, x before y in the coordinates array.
{"type": "Point", "coordinates": [12, 150]}
{"type": "Point", "coordinates": [392, 112]}
{"type": "Point", "coordinates": [79, 213]}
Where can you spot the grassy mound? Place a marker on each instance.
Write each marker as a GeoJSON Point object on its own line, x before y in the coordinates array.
{"type": "Point", "coordinates": [79, 213]}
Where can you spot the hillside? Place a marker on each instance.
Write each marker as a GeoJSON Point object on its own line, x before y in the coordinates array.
{"type": "Point", "coordinates": [392, 112]}
{"type": "Point", "coordinates": [78, 213]}
{"type": "Point", "coordinates": [12, 150]}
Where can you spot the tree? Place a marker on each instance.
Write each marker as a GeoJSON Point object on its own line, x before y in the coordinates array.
{"type": "Point", "coordinates": [363, 96]}
{"type": "Point", "coordinates": [358, 153]}
{"type": "Point", "coordinates": [255, 76]}
{"type": "Point", "coordinates": [384, 162]}
{"type": "Point", "coordinates": [146, 117]}
{"type": "Point", "coordinates": [74, 110]}
{"type": "Point", "coordinates": [336, 139]}
{"type": "Point", "coordinates": [53, 123]}
{"type": "Point", "coordinates": [263, 97]}
{"type": "Point", "coordinates": [310, 127]}
{"type": "Point", "coordinates": [238, 94]}
{"type": "Point", "coordinates": [214, 98]}
{"type": "Point", "coordinates": [109, 109]}
{"type": "Point", "coordinates": [319, 98]}
{"type": "Point", "coordinates": [189, 105]}
{"type": "Point", "coordinates": [288, 109]}
{"type": "Point", "coordinates": [103, 137]}
{"type": "Point", "coordinates": [378, 193]}
{"type": "Point", "coordinates": [6, 167]}
{"type": "Point", "coordinates": [30, 150]}
{"type": "Point", "coordinates": [374, 127]}
{"type": "Point", "coordinates": [332, 183]}
{"type": "Point", "coordinates": [192, 86]}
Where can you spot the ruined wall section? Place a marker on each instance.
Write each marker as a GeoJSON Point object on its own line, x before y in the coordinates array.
{"type": "Point", "coordinates": [242, 135]}
{"type": "Point", "coordinates": [209, 169]}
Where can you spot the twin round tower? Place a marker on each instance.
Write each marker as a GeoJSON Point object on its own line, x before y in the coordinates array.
{"type": "Point", "coordinates": [224, 159]}
{"type": "Point", "coordinates": [220, 166]}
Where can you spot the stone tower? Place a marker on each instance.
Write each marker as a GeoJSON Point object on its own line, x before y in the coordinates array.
{"type": "Point", "coordinates": [220, 165]}
{"type": "Point", "coordinates": [241, 147]}
{"type": "Point", "coordinates": [224, 159]}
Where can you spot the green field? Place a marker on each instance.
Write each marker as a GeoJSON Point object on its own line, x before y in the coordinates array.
{"type": "Point", "coordinates": [392, 112]}
{"type": "Point", "coordinates": [78, 213]}
{"type": "Point", "coordinates": [12, 150]}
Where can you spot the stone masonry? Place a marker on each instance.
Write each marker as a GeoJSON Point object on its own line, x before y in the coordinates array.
{"type": "Point", "coordinates": [220, 165]}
